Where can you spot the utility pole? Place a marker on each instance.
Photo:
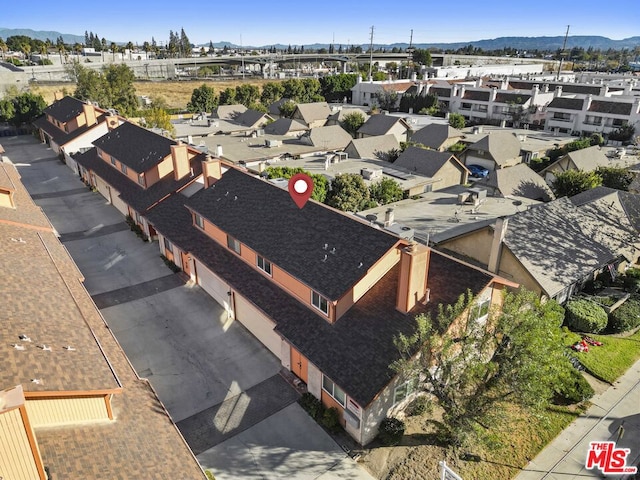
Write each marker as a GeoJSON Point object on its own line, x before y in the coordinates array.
{"type": "Point", "coordinates": [564, 45]}
{"type": "Point", "coordinates": [410, 51]}
{"type": "Point", "coordinates": [371, 56]}
{"type": "Point", "coordinates": [242, 56]}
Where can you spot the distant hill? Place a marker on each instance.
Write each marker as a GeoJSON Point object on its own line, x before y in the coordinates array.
{"type": "Point", "coordinates": [520, 43]}
{"type": "Point", "coordinates": [41, 35]}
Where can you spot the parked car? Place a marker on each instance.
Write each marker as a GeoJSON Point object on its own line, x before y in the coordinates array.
{"type": "Point", "coordinates": [478, 171]}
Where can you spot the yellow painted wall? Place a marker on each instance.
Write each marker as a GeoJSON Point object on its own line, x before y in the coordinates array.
{"type": "Point", "coordinates": [63, 411]}
{"type": "Point", "coordinates": [16, 458]}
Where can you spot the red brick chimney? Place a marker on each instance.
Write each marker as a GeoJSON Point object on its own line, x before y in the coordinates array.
{"type": "Point", "coordinates": [180, 158]}
{"type": "Point", "coordinates": [412, 285]}
{"type": "Point", "coordinates": [211, 171]}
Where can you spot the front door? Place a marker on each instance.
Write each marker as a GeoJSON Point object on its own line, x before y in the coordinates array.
{"type": "Point", "coordinates": [299, 365]}
{"type": "Point", "coordinates": [185, 263]}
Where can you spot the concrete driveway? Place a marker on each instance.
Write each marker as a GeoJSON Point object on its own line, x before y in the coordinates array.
{"type": "Point", "coordinates": [218, 382]}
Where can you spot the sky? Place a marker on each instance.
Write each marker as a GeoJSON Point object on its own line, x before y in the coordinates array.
{"type": "Point", "coordinates": [265, 22]}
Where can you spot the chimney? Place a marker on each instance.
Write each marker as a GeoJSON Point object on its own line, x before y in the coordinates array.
{"type": "Point", "coordinates": [57, 96]}
{"type": "Point", "coordinates": [180, 158]}
{"type": "Point", "coordinates": [112, 120]}
{"type": "Point", "coordinates": [604, 90]}
{"type": "Point", "coordinates": [545, 88]}
{"type": "Point", "coordinates": [499, 232]}
{"type": "Point", "coordinates": [219, 151]}
{"type": "Point", "coordinates": [493, 94]}
{"type": "Point", "coordinates": [89, 113]}
{"type": "Point", "coordinates": [388, 217]}
{"type": "Point", "coordinates": [211, 171]}
{"type": "Point", "coordinates": [589, 99]}
{"type": "Point", "coordinates": [535, 90]}
{"type": "Point", "coordinates": [558, 92]}
{"type": "Point", "coordinates": [412, 284]}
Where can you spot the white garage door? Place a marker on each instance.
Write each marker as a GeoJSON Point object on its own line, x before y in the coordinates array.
{"type": "Point", "coordinates": [258, 324]}
{"type": "Point", "coordinates": [103, 188]}
{"type": "Point", "coordinates": [213, 285]}
{"type": "Point", "coordinates": [118, 203]}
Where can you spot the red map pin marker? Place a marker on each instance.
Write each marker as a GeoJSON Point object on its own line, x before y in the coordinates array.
{"type": "Point", "coordinates": [300, 188]}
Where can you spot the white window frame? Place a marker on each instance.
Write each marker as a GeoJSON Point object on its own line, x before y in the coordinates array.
{"type": "Point", "coordinates": [318, 305]}
{"type": "Point", "coordinates": [141, 179]}
{"type": "Point", "coordinates": [168, 247]}
{"type": "Point", "coordinates": [113, 161]}
{"type": "Point", "coordinates": [233, 244]}
{"type": "Point", "coordinates": [264, 265]}
{"type": "Point", "coordinates": [480, 310]}
{"type": "Point", "coordinates": [123, 168]}
{"type": "Point", "coordinates": [333, 390]}
{"type": "Point", "coordinates": [198, 220]}
{"type": "Point", "coordinates": [404, 391]}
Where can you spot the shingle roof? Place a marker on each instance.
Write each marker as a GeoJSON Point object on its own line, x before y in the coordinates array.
{"type": "Point", "coordinates": [356, 351]}
{"type": "Point", "coordinates": [251, 118]}
{"type": "Point", "coordinates": [615, 108]}
{"type": "Point", "coordinates": [332, 137]}
{"type": "Point", "coordinates": [139, 198]}
{"type": "Point", "coordinates": [588, 159]}
{"type": "Point", "coordinates": [550, 243]}
{"type": "Point", "coordinates": [65, 109]}
{"type": "Point", "coordinates": [517, 98]}
{"type": "Point", "coordinates": [501, 146]}
{"type": "Point", "coordinates": [372, 147]}
{"type": "Point", "coordinates": [311, 112]}
{"type": "Point", "coordinates": [274, 108]}
{"type": "Point", "coordinates": [519, 181]}
{"type": "Point", "coordinates": [61, 137]}
{"type": "Point", "coordinates": [136, 147]}
{"type": "Point", "coordinates": [26, 211]}
{"type": "Point", "coordinates": [435, 134]}
{"type": "Point", "coordinates": [229, 112]}
{"type": "Point", "coordinates": [284, 126]}
{"type": "Point", "coordinates": [425, 162]}
{"type": "Point", "coordinates": [565, 103]}
{"type": "Point", "coordinates": [479, 95]}
{"type": "Point", "coordinates": [380, 124]}
{"type": "Point", "coordinates": [265, 218]}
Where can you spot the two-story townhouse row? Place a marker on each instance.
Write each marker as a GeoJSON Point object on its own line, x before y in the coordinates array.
{"type": "Point", "coordinates": [135, 169]}
{"type": "Point", "coordinates": [71, 405]}
{"type": "Point", "coordinates": [70, 125]}
{"type": "Point", "coordinates": [590, 114]}
{"type": "Point", "coordinates": [324, 292]}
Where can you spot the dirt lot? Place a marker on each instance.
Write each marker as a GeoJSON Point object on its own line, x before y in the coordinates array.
{"type": "Point", "coordinates": [177, 94]}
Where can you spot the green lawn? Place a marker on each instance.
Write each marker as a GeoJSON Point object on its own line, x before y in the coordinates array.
{"type": "Point", "coordinates": [610, 360]}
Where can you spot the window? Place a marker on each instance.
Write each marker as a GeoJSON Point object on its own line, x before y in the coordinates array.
{"type": "Point", "coordinates": [402, 392]}
{"type": "Point", "coordinates": [199, 221]}
{"type": "Point", "coordinates": [138, 218]}
{"type": "Point", "coordinates": [123, 167]}
{"type": "Point", "coordinates": [320, 302]}
{"type": "Point", "coordinates": [480, 311]}
{"type": "Point", "coordinates": [264, 265]}
{"type": "Point", "coordinates": [335, 391]}
{"type": "Point", "coordinates": [167, 246]}
{"type": "Point", "coordinates": [465, 106]}
{"type": "Point", "coordinates": [141, 179]}
{"type": "Point", "coordinates": [113, 161]}
{"type": "Point", "coordinates": [233, 244]}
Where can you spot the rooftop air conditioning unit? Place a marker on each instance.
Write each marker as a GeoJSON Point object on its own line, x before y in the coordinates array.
{"type": "Point", "coordinates": [272, 143]}
{"type": "Point", "coordinates": [371, 173]}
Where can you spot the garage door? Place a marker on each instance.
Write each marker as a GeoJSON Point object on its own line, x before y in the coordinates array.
{"type": "Point", "coordinates": [213, 285]}
{"type": "Point", "coordinates": [488, 164]}
{"type": "Point", "coordinates": [103, 188]}
{"type": "Point", "coordinates": [118, 203]}
{"type": "Point", "coordinates": [258, 324]}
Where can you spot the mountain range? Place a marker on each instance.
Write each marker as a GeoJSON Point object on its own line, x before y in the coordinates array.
{"type": "Point", "coordinates": [520, 43]}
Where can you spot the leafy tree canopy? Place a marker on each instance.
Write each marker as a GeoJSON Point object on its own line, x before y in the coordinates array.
{"type": "Point", "coordinates": [22, 108]}
{"type": "Point", "coordinates": [456, 120]}
{"type": "Point", "coordinates": [386, 191]}
{"type": "Point", "coordinates": [287, 109]}
{"type": "Point", "coordinates": [422, 56]}
{"type": "Point", "coordinates": [111, 88]}
{"type": "Point", "coordinates": [352, 122]}
{"type": "Point", "coordinates": [615, 177]}
{"type": "Point", "coordinates": [271, 92]}
{"type": "Point", "coordinates": [320, 183]}
{"type": "Point", "coordinates": [203, 99]}
{"type": "Point", "coordinates": [349, 193]}
{"type": "Point", "coordinates": [573, 182]}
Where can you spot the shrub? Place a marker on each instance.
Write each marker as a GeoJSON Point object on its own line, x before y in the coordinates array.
{"type": "Point", "coordinates": [574, 388]}
{"type": "Point", "coordinates": [312, 405]}
{"type": "Point", "coordinates": [391, 431]}
{"type": "Point", "coordinates": [585, 316]}
{"type": "Point", "coordinates": [331, 420]}
{"type": "Point", "coordinates": [625, 317]}
{"type": "Point", "coordinates": [631, 280]}
{"type": "Point", "coordinates": [420, 406]}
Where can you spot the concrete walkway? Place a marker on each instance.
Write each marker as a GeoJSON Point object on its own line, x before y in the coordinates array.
{"type": "Point", "coordinates": [565, 457]}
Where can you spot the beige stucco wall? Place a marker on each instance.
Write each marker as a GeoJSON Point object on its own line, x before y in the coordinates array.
{"type": "Point", "coordinates": [449, 175]}
{"type": "Point", "coordinates": [16, 458]}
{"type": "Point", "coordinates": [64, 411]}
{"type": "Point", "coordinates": [476, 245]}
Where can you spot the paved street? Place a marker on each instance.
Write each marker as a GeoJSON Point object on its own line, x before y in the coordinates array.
{"type": "Point", "coordinates": [219, 383]}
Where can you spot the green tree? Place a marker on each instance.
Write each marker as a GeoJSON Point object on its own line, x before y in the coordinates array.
{"type": "Point", "coordinates": [337, 87]}
{"type": "Point", "coordinates": [349, 193]}
{"type": "Point", "coordinates": [7, 109]}
{"type": "Point", "coordinates": [203, 99]}
{"type": "Point", "coordinates": [456, 120]}
{"type": "Point", "coordinates": [486, 358]}
{"type": "Point", "coordinates": [287, 109]}
{"type": "Point", "coordinates": [122, 93]}
{"type": "Point", "coordinates": [387, 99]}
{"type": "Point", "coordinates": [247, 94]}
{"type": "Point", "coordinates": [615, 177]}
{"type": "Point", "coordinates": [271, 92]}
{"type": "Point", "coordinates": [422, 57]}
{"type": "Point", "coordinates": [156, 117]}
{"type": "Point", "coordinates": [320, 183]}
{"type": "Point", "coordinates": [352, 122]}
{"type": "Point", "coordinates": [386, 191]}
{"type": "Point", "coordinates": [227, 96]}
{"type": "Point", "coordinates": [21, 108]}
{"type": "Point", "coordinates": [91, 85]}
{"type": "Point", "coordinates": [573, 182]}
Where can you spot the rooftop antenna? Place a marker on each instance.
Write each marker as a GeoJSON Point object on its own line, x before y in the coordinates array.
{"type": "Point", "coordinates": [564, 45]}
{"type": "Point", "coordinates": [371, 56]}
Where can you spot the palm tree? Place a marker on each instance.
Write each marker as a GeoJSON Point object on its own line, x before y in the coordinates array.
{"type": "Point", "coordinates": [26, 49]}
{"type": "Point", "coordinates": [114, 49]}
{"type": "Point", "coordinates": [3, 48]}
{"type": "Point", "coordinates": [130, 47]}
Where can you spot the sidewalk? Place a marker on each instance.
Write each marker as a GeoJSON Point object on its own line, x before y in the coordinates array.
{"type": "Point", "coordinates": [564, 458]}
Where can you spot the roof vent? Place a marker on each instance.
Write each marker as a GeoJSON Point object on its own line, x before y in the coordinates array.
{"type": "Point", "coordinates": [37, 381]}
{"type": "Point", "coordinates": [326, 246]}
{"type": "Point", "coordinates": [333, 250]}
{"type": "Point", "coordinates": [360, 265]}
{"type": "Point", "coordinates": [69, 348]}
{"type": "Point", "coordinates": [45, 348]}
{"type": "Point", "coordinates": [24, 338]}
{"type": "Point", "coordinates": [17, 347]}
{"type": "Point", "coordinates": [18, 240]}
{"type": "Point", "coordinates": [325, 258]}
